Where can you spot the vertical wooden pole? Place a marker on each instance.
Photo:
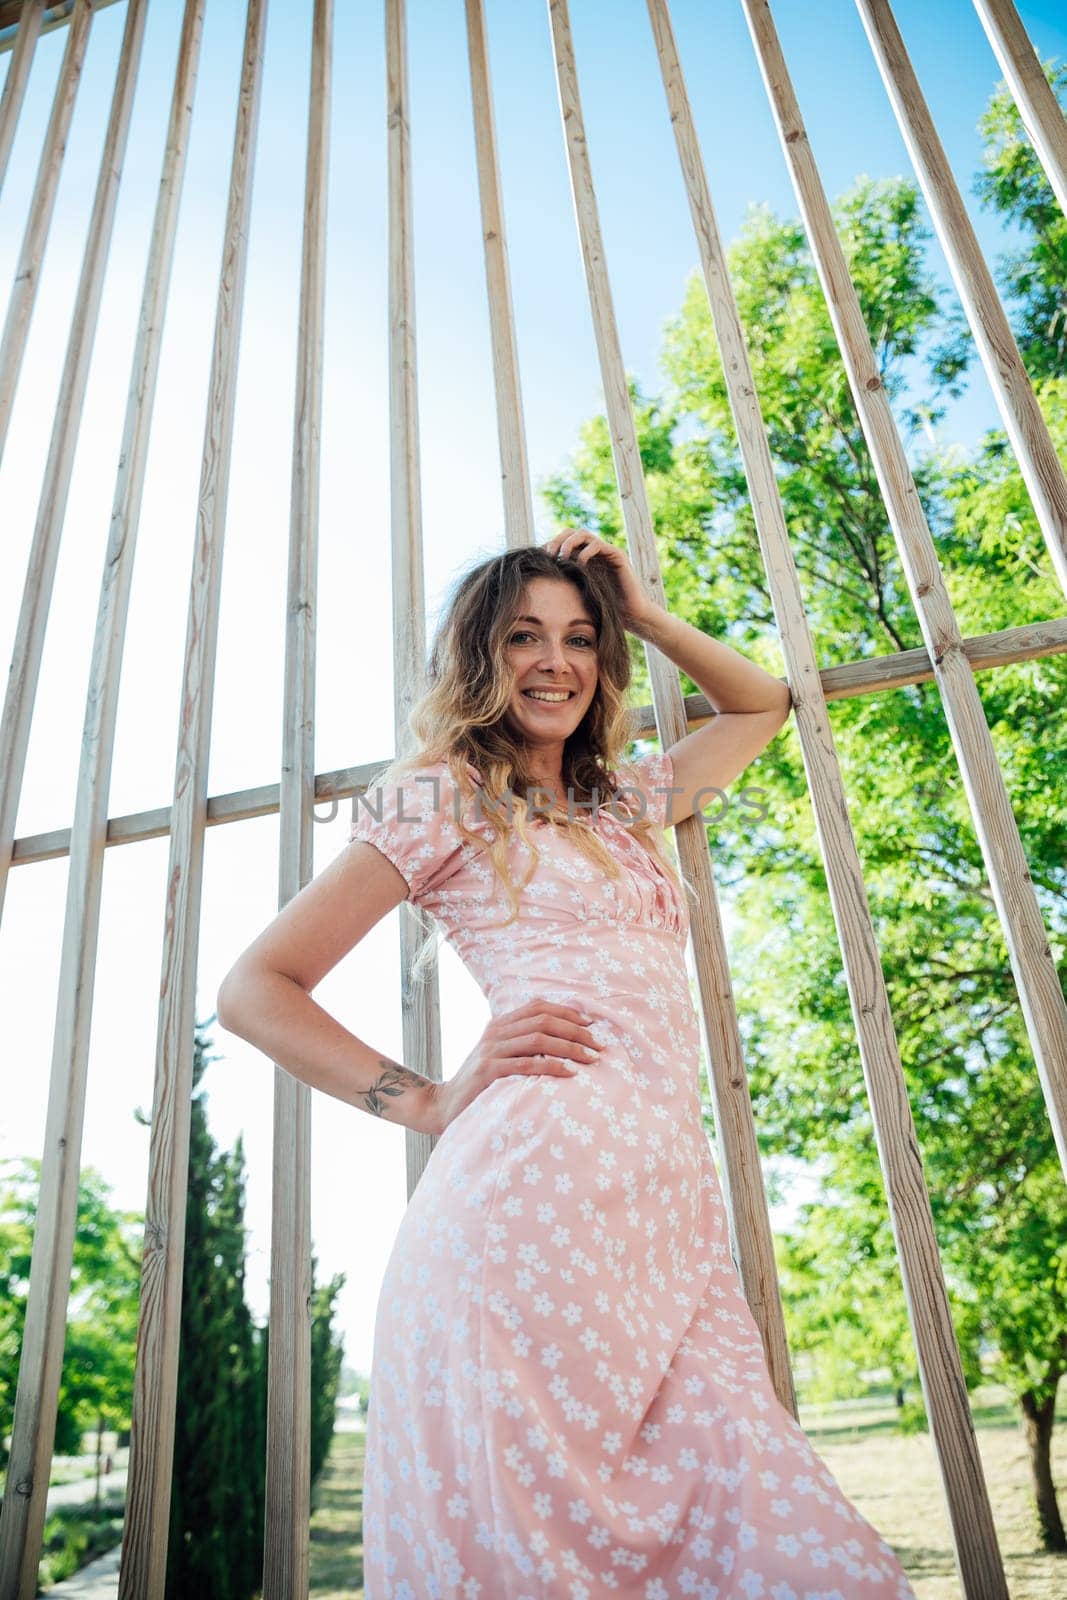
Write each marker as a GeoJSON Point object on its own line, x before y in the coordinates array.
{"type": "Point", "coordinates": [511, 429]}
{"type": "Point", "coordinates": [420, 1003]}
{"type": "Point", "coordinates": [1016, 401]}
{"type": "Point", "coordinates": [44, 550]}
{"type": "Point", "coordinates": [18, 74]}
{"type": "Point", "coordinates": [28, 270]}
{"type": "Point", "coordinates": [94, 777]}
{"type": "Point", "coordinates": [1039, 109]}
{"type": "Point", "coordinates": [288, 1496]}
{"type": "Point", "coordinates": [977, 1554]}
{"type": "Point", "coordinates": [1040, 992]}
{"type": "Point", "coordinates": [152, 1445]}
{"type": "Point", "coordinates": [44, 1331]}
{"type": "Point", "coordinates": [743, 1192]}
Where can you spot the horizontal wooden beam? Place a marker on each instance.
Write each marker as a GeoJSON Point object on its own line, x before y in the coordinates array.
{"type": "Point", "coordinates": [56, 16]}
{"type": "Point", "coordinates": [983, 650]}
{"type": "Point", "coordinates": [873, 676]}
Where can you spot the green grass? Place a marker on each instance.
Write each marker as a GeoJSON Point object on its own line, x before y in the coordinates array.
{"type": "Point", "coordinates": [991, 1407]}
{"type": "Point", "coordinates": [336, 1569]}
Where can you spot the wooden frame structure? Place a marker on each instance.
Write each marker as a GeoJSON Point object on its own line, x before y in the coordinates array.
{"type": "Point", "coordinates": [947, 658]}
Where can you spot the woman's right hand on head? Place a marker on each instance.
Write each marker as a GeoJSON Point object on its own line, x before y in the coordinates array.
{"type": "Point", "coordinates": [538, 1037]}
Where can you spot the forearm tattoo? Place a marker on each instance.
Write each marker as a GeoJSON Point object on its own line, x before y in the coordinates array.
{"type": "Point", "coordinates": [393, 1081]}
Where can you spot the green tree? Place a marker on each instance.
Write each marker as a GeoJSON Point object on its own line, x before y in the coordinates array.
{"type": "Point", "coordinates": [218, 1494]}
{"type": "Point", "coordinates": [986, 1143]}
{"type": "Point", "coordinates": [1012, 181]}
{"type": "Point", "coordinates": [219, 1484]}
{"type": "Point", "coordinates": [846, 1315]}
{"type": "Point", "coordinates": [97, 1381]}
{"type": "Point", "coordinates": [215, 1542]}
{"type": "Point", "coordinates": [327, 1356]}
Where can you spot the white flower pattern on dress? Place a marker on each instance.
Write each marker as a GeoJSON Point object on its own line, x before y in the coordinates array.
{"type": "Point", "coordinates": [569, 1395]}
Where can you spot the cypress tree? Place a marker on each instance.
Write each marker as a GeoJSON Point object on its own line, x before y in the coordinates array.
{"type": "Point", "coordinates": [218, 1492]}
{"type": "Point", "coordinates": [216, 1512]}
{"type": "Point", "coordinates": [327, 1356]}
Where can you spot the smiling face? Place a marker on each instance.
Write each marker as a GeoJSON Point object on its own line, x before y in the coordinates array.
{"type": "Point", "coordinates": [552, 648]}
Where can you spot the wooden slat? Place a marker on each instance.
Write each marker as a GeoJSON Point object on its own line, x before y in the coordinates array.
{"type": "Point", "coordinates": [55, 16]}
{"type": "Point", "coordinates": [48, 529]}
{"type": "Point", "coordinates": [1012, 391]}
{"type": "Point", "coordinates": [511, 430]}
{"type": "Point", "coordinates": [42, 204]}
{"type": "Point", "coordinates": [18, 74]}
{"type": "Point", "coordinates": [1027, 643]}
{"type": "Point", "coordinates": [288, 1487]}
{"type": "Point", "coordinates": [419, 1003]}
{"type": "Point", "coordinates": [977, 1554]}
{"type": "Point", "coordinates": [143, 1569]}
{"type": "Point", "coordinates": [44, 1331]}
{"type": "Point", "coordinates": [1044, 1007]}
{"type": "Point", "coordinates": [743, 1192]}
{"type": "Point", "coordinates": [1039, 109]}
{"type": "Point", "coordinates": [945, 658]}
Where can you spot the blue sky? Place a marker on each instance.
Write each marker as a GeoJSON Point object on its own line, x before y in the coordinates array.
{"type": "Point", "coordinates": [359, 1168]}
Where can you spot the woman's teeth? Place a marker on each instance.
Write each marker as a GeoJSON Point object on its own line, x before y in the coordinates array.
{"type": "Point", "coordinates": [549, 699]}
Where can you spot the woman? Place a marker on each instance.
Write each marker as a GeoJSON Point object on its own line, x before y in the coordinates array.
{"type": "Point", "coordinates": [569, 1394]}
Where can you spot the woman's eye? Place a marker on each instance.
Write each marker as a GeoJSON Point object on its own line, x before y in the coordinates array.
{"type": "Point", "coordinates": [577, 638]}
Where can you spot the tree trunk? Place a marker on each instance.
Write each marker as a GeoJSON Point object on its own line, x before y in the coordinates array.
{"type": "Point", "coordinates": [1037, 1426]}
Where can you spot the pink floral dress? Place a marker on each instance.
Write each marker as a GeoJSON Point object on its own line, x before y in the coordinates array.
{"type": "Point", "coordinates": [569, 1395]}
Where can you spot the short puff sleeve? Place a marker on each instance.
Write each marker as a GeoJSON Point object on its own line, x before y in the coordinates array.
{"type": "Point", "coordinates": [410, 820]}
{"type": "Point", "coordinates": [652, 777]}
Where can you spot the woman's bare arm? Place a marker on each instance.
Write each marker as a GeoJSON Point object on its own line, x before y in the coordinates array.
{"type": "Point", "coordinates": [751, 706]}
{"type": "Point", "coordinates": [266, 995]}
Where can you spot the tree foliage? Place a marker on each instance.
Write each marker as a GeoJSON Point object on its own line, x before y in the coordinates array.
{"type": "Point", "coordinates": [98, 1359]}
{"type": "Point", "coordinates": [327, 1355]}
{"type": "Point", "coordinates": [218, 1487]}
{"type": "Point", "coordinates": [998, 1198]}
{"type": "Point", "coordinates": [1012, 182]}
{"type": "Point", "coordinates": [215, 1544]}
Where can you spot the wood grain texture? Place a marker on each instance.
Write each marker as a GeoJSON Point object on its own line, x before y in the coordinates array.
{"type": "Point", "coordinates": [44, 1332]}
{"type": "Point", "coordinates": [56, 15]}
{"type": "Point", "coordinates": [143, 1569]}
{"type": "Point", "coordinates": [852, 678]}
{"type": "Point", "coordinates": [1012, 390]}
{"type": "Point", "coordinates": [511, 430]}
{"type": "Point", "coordinates": [18, 75]}
{"type": "Point", "coordinates": [945, 658]}
{"type": "Point", "coordinates": [39, 220]}
{"type": "Point", "coordinates": [420, 1007]}
{"type": "Point", "coordinates": [1045, 123]}
{"type": "Point", "coordinates": [102, 706]}
{"type": "Point", "coordinates": [288, 1483]}
{"type": "Point", "coordinates": [24, 672]}
{"type": "Point", "coordinates": [977, 1554]}
{"type": "Point", "coordinates": [743, 1191]}
{"type": "Point", "coordinates": [1028, 946]}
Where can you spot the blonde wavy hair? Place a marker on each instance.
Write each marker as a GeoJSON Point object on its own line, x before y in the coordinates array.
{"type": "Point", "coordinates": [460, 717]}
